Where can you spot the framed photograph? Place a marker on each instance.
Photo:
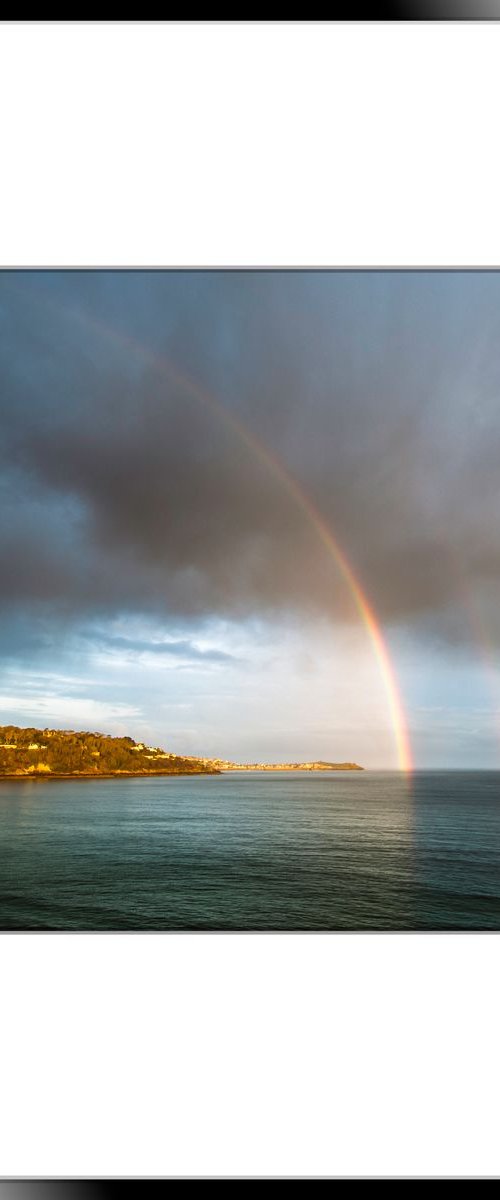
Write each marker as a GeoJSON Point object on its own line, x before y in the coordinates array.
{"type": "Point", "coordinates": [248, 600]}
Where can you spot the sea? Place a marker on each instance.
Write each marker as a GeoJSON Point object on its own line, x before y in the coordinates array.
{"type": "Point", "coordinates": [260, 851]}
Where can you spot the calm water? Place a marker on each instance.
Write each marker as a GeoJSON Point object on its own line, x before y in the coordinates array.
{"type": "Point", "coordinates": [287, 851]}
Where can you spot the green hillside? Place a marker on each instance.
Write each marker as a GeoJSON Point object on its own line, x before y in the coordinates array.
{"type": "Point", "coordinates": [46, 752]}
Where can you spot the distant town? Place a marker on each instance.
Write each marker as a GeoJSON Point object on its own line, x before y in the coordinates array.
{"type": "Point", "coordinates": [223, 764]}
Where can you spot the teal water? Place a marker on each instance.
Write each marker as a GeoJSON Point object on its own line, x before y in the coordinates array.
{"type": "Point", "coordinates": [252, 852]}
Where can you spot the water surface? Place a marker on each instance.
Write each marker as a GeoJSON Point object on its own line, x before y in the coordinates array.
{"type": "Point", "coordinates": [288, 851]}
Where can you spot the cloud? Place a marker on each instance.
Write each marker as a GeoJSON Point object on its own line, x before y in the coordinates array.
{"type": "Point", "coordinates": [180, 648]}
{"type": "Point", "coordinates": [124, 492]}
{"type": "Point", "coordinates": [57, 707]}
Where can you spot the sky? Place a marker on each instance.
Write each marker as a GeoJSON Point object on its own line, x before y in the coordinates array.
{"type": "Point", "coordinates": [179, 452]}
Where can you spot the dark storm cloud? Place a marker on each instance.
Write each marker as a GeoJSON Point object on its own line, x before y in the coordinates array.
{"type": "Point", "coordinates": [123, 491]}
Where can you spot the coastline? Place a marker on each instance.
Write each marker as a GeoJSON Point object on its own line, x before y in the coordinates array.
{"type": "Point", "coordinates": [48, 777]}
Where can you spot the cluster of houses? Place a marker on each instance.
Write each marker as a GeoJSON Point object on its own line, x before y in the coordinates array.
{"type": "Point", "coordinates": [153, 752]}
{"type": "Point", "coordinates": [16, 746]}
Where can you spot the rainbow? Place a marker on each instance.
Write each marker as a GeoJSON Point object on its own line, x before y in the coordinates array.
{"type": "Point", "coordinates": [165, 367]}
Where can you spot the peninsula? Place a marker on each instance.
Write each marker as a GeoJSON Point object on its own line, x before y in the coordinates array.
{"type": "Point", "coordinates": [64, 753]}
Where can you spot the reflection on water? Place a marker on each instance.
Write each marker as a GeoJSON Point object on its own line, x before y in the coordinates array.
{"type": "Point", "coordinates": [287, 851]}
{"type": "Point", "coordinates": [456, 848]}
